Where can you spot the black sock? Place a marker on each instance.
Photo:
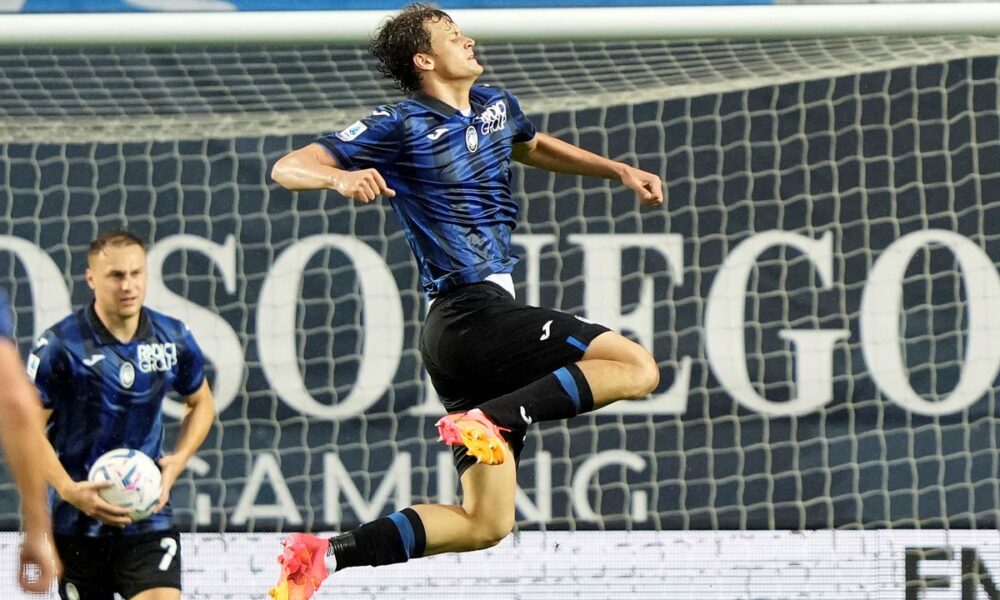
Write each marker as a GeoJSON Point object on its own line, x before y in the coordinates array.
{"type": "Point", "coordinates": [563, 394]}
{"type": "Point", "coordinates": [389, 540]}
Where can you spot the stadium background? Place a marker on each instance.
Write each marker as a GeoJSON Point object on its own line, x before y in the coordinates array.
{"type": "Point", "coordinates": [846, 162]}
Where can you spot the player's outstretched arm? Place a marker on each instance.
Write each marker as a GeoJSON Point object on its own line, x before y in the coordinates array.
{"type": "Point", "coordinates": [199, 414]}
{"type": "Point", "coordinates": [312, 168]}
{"type": "Point", "coordinates": [22, 439]}
{"type": "Point", "coordinates": [552, 154]}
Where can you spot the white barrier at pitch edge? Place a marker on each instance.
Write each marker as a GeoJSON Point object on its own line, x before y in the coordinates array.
{"type": "Point", "coordinates": [648, 565]}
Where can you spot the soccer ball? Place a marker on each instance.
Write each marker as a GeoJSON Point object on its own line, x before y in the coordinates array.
{"type": "Point", "coordinates": [136, 478]}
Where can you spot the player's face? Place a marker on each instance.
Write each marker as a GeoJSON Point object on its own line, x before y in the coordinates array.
{"type": "Point", "coordinates": [118, 277]}
{"type": "Point", "coordinates": [453, 52]}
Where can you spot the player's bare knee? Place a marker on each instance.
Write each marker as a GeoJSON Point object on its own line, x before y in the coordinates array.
{"type": "Point", "coordinates": [651, 374]}
{"type": "Point", "coordinates": [489, 533]}
{"type": "Point", "coordinates": [488, 539]}
{"type": "Point", "coordinates": [648, 374]}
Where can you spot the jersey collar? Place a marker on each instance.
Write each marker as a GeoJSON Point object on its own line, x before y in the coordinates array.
{"type": "Point", "coordinates": [145, 330]}
{"type": "Point", "coordinates": [443, 108]}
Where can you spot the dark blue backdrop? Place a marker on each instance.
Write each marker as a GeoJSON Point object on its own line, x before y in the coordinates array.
{"type": "Point", "coordinates": [868, 158]}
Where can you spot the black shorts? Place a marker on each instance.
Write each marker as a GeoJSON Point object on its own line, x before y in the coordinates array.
{"type": "Point", "coordinates": [95, 568]}
{"type": "Point", "coordinates": [478, 343]}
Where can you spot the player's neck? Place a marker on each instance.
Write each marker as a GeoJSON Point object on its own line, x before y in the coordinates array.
{"type": "Point", "coordinates": [123, 328]}
{"type": "Point", "coordinates": [452, 93]}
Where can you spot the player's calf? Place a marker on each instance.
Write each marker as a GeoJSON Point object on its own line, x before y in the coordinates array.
{"type": "Point", "coordinates": [617, 368]}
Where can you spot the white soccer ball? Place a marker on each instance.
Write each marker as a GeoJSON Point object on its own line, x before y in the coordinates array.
{"type": "Point", "coordinates": [135, 477]}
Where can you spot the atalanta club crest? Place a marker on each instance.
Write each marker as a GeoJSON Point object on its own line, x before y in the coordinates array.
{"type": "Point", "coordinates": [126, 374]}
{"type": "Point", "coordinates": [471, 138]}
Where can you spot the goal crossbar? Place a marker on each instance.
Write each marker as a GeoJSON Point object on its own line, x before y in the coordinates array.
{"type": "Point", "coordinates": [683, 22]}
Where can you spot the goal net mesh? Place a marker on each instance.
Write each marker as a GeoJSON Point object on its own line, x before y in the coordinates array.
{"type": "Point", "coordinates": [866, 140]}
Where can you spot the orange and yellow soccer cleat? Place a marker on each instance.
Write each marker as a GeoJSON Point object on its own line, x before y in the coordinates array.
{"type": "Point", "coordinates": [476, 432]}
{"type": "Point", "coordinates": [303, 567]}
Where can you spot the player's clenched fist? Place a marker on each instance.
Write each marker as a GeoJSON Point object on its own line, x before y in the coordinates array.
{"type": "Point", "coordinates": [364, 185]}
{"type": "Point", "coordinates": [646, 185]}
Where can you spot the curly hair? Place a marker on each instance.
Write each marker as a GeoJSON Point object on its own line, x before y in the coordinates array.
{"type": "Point", "coordinates": [399, 38]}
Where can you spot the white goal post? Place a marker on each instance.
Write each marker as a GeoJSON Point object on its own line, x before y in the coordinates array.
{"type": "Point", "coordinates": [537, 24]}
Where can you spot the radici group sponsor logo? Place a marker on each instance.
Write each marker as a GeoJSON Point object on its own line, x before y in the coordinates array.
{"type": "Point", "coordinates": [157, 357]}
{"type": "Point", "coordinates": [494, 118]}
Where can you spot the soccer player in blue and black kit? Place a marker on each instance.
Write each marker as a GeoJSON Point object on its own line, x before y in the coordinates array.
{"type": "Point", "coordinates": [442, 159]}
{"type": "Point", "coordinates": [103, 373]}
{"type": "Point", "coordinates": [23, 441]}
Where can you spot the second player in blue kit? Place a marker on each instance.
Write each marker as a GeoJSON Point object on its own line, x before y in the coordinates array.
{"type": "Point", "coordinates": [103, 373]}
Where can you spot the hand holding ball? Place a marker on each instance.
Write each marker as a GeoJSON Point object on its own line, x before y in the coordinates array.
{"type": "Point", "coordinates": [136, 481]}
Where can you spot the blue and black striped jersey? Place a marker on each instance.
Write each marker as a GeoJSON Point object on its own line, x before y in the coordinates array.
{"type": "Point", "coordinates": [106, 394]}
{"type": "Point", "coordinates": [451, 174]}
{"type": "Point", "coordinates": [6, 318]}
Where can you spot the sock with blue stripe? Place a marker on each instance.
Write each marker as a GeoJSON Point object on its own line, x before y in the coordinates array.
{"type": "Point", "coordinates": [560, 395]}
{"type": "Point", "coordinates": [386, 541]}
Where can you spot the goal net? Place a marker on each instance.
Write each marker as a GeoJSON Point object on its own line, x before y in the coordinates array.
{"type": "Point", "coordinates": [818, 287]}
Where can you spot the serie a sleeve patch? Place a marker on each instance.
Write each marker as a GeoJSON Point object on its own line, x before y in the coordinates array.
{"type": "Point", "coordinates": [353, 131]}
{"type": "Point", "coordinates": [32, 370]}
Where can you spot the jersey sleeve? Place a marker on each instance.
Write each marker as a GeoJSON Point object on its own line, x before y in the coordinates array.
{"type": "Point", "coordinates": [48, 367]}
{"type": "Point", "coordinates": [190, 365]}
{"type": "Point", "coordinates": [6, 318]}
{"type": "Point", "coordinates": [371, 142]}
{"type": "Point", "coordinates": [524, 130]}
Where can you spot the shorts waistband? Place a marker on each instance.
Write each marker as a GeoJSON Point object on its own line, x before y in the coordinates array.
{"type": "Point", "coordinates": [504, 280]}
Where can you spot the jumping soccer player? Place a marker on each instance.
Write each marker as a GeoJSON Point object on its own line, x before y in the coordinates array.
{"type": "Point", "coordinates": [442, 158]}
{"type": "Point", "coordinates": [103, 373]}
